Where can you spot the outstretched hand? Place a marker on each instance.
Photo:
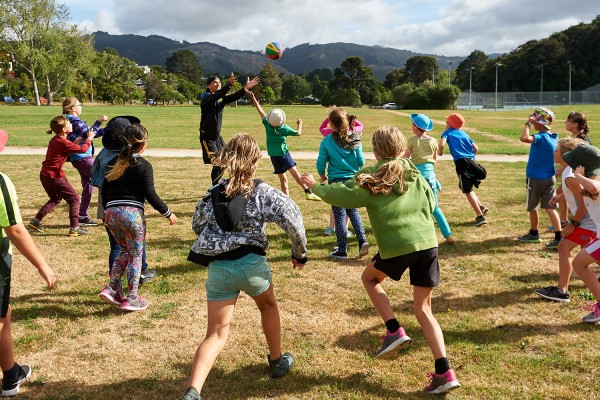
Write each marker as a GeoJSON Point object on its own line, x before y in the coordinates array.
{"type": "Point", "coordinates": [308, 179]}
{"type": "Point", "coordinates": [250, 83]}
{"type": "Point", "coordinates": [231, 79]}
{"type": "Point", "coordinates": [580, 170]}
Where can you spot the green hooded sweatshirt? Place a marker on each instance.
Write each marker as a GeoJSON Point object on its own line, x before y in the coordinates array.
{"type": "Point", "coordinates": [401, 222]}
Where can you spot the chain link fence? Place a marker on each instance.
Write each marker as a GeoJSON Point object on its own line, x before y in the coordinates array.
{"type": "Point", "coordinates": [521, 100]}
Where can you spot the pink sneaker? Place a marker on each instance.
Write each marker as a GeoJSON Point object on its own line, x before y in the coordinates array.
{"type": "Point", "coordinates": [441, 383]}
{"type": "Point", "coordinates": [392, 342]}
{"type": "Point", "coordinates": [134, 303]}
{"type": "Point", "coordinates": [109, 295]}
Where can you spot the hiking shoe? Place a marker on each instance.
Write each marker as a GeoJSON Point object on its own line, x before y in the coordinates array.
{"type": "Point", "coordinates": [553, 244]}
{"type": "Point", "coordinates": [147, 275]}
{"type": "Point", "coordinates": [338, 254]}
{"type": "Point", "coordinates": [111, 296]}
{"type": "Point", "coordinates": [281, 366]}
{"type": "Point", "coordinates": [191, 394]}
{"type": "Point", "coordinates": [328, 231]}
{"type": "Point", "coordinates": [441, 383]}
{"type": "Point", "coordinates": [78, 231]}
{"type": "Point", "coordinates": [480, 220]}
{"type": "Point", "coordinates": [484, 209]}
{"type": "Point", "coordinates": [36, 225]}
{"type": "Point", "coordinates": [594, 316]}
{"type": "Point", "coordinates": [553, 293]}
{"type": "Point", "coordinates": [312, 196]}
{"type": "Point", "coordinates": [11, 388]}
{"type": "Point", "coordinates": [86, 221]}
{"type": "Point", "coordinates": [392, 342]}
{"type": "Point", "coordinates": [363, 249]}
{"type": "Point", "coordinates": [529, 238]}
{"type": "Point", "coordinates": [134, 303]}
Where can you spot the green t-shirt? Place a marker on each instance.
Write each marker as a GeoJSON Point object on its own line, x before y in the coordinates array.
{"type": "Point", "coordinates": [276, 138]}
{"type": "Point", "coordinates": [9, 216]}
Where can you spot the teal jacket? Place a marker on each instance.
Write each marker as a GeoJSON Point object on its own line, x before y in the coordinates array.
{"type": "Point", "coordinates": [401, 221]}
{"type": "Point", "coordinates": [343, 162]}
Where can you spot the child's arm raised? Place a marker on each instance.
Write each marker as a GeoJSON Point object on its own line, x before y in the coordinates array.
{"type": "Point", "coordinates": [525, 136]}
{"type": "Point", "coordinates": [299, 123]}
{"type": "Point", "coordinates": [591, 185]}
{"type": "Point", "coordinates": [255, 103]}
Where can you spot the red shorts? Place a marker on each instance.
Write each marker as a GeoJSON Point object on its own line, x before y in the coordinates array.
{"type": "Point", "coordinates": [593, 249]}
{"type": "Point", "coordinates": [581, 236]}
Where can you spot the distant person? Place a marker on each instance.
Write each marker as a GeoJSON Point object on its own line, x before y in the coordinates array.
{"type": "Point", "coordinates": [53, 178]}
{"type": "Point", "coordinates": [399, 202]}
{"type": "Point", "coordinates": [277, 132]}
{"type": "Point", "coordinates": [83, 161]}
{"type": "Point", "coordinates": [470, 173]}
{"type": "Point", "coordinates": [212, 103]}
{"type": "Point", "coordinates": [230, 223]}
{"type": "Point", "coordinates": [422, 149]}
{"type": "Point", "coordinates": [13, 231]}
{"type": "Point", "coordinates": [540, 173]}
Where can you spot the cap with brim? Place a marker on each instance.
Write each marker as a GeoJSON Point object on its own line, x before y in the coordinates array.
{"type": "Point", "coordinates": [585, 155]}
{"type": "Point", "coordinates": [115, 127]}
{"type": "Point", "coordinates": [3, 139]}
{"type": "Point", "coordinates": [422, 122]}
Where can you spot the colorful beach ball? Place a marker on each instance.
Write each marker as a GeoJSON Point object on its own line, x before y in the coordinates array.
{"type": "Point", "coordinates": [273, 50]}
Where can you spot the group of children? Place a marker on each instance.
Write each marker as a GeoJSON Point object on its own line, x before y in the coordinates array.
{"type": "Point", "coordinates": [399, 194]}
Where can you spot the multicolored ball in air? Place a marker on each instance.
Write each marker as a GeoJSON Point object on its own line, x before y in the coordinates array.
{"type": "Point", "coordinates": [273, 51]}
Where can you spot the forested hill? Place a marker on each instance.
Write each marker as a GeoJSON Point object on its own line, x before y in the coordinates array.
{"type": "Point", "coordinates": [153, 50]}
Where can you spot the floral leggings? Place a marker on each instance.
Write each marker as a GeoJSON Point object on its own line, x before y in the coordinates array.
{"type": "Point", "coordinates": [127, 225]}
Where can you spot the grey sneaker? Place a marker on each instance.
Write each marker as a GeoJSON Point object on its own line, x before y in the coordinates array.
{"type": "Point", "coordinates": [111, 296]}
{"type": "Point", "coordinates": [363, 250]}
{"type": "Point", "coordinates": [392, 342]}
{"type": "Point", "coordinates": [281, 366]}
{"type": "Point", "coordinates": [480, 220]}
{"type": "Point", "coordinates": [553, 244]}
{"type": "Point", "coordinates": [529, 238]}
{"type": "Point", "coordinates": [594, 316]}
{"type": "Point", "coordinates": [78, 231]}
{"type": "Point", "coordinates": [553, 293]}
{"type": "Point", "coordinates": [191, 394]}
{"type": "Point", "coordinates": [11, 388]}
{"type": "Point", "coordinates": [442, 383]}
{"type": "Point", "coordinates": [134, 303]}
{"type": "Point", "coordinates": [36, 225]}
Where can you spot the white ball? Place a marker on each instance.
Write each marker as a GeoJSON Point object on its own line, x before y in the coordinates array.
{"type": "Point", "coordinates": [276, 117]}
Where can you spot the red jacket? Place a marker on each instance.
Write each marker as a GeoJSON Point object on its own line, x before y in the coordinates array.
{"type": "Point", "coordinates": [59, 149]}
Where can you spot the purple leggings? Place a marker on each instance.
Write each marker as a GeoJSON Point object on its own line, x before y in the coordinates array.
{"type": "Point", "coordinates": [58, 190]}
{"type": "Point", "coordinates": [84, 166]}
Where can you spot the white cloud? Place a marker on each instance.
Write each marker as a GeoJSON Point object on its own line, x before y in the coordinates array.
{"type": "Point", "coordinates": [445, 27]}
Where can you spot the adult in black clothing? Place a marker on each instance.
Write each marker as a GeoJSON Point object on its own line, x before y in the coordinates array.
{"type": "Point", "coordinates": [211, 106]}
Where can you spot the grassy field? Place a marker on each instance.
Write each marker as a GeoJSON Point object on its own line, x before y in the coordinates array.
{"type": "Point", "coordinates": [177, 126]}
{"type": "Point", "coordinates": [503, 341]}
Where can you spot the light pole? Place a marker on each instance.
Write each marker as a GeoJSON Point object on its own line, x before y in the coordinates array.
{"type": "Point", "coordinates": [496, 103]}
{"type": "Point", "coordinates": [433, 75]}
{"type": "Point", "coordinates": [449, 64]}
{"type": "Point", "coordinates": [569, 62]}
{"type": "Point", "coordinates": [92, 89]}
{"type": "Point", "coordinates": [541, 84]}
{"type": "Point", "coordinates": [470, 84]}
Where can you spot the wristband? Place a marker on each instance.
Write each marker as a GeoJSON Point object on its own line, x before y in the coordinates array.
{"type": "Point", "coordinates": [528, 124]}
{"type": "Point", "coordinates": [574, 223]}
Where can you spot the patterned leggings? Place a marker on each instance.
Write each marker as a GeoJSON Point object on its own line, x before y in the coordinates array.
{"type": "Point", "coordinates": [339, 215]}
{"type": "Point", "coordinates": [128, 227]}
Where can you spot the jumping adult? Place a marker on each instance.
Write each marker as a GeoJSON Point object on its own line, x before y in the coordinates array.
{"type": "Point", "coordinates": [212, 103]}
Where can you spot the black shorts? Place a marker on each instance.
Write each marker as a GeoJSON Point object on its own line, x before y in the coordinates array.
{"type": "Point", "coordinates": [4, 297]}
{"type": "Point", "coordinates": [211, 148]}
{"type": "Point", "coordinates": [282, 163]}
{"type": "Point", "coordinates": [466, 178]}
{"type": "Point", "coordinates": [424, 269]}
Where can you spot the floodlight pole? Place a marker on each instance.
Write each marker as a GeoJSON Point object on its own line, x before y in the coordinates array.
{"type": "Point", "coordinates": [449, 64]}
{"type": "Point", "coordinates": [92, 89]}
{"type": "Point", "coordinates": [569, 62]}
{"type": "Point", "coordinates": [541, 84]}
{"type": "Point", "coordinates": [496, 103]}
{"type": "Point", "coordinates": [470, 84]}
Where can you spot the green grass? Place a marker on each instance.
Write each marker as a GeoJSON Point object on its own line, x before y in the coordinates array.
{"type": "Point", "coordinates": [177, 126]}
{"type": "Point", "coordinates": [503, 341]}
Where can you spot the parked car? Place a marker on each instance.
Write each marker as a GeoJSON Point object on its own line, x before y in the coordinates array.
{"type": "Point", "coordinates": [43, 100]}
{"type": "Point", "coordinates": [23, 100]}
{"type": "Point", "coordinates": [390, 106]}
{"type": "Point", "coordinates": [7, 99]}
{"type": "Point", "coordinates": [150, 102]}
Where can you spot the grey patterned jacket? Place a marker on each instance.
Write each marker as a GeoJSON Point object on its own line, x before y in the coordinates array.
{"type": "Point", "coordinates": [265, 204]}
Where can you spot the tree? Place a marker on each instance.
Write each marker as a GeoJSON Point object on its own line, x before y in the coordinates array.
{"type": "Point", "coordinates": [293, 88]}
{"type": "Point", "coordinates": [342, 97]}
{"type": "Point", "coordinates": [400, 93]}
{"type": "Point", "coordinates": [115, 82]}
{"type": "Point", "coordinates": [394, 78]}
{"type": "Point", "coordinates": [186, 64]}
{"type": "Point", "coordinates": [323, 74]}
{"type": "Point", "coordinates": [419, 69]}
{"type": "Point", "coordinates": [465, 76]}
{"type": "Point", "coordinates": [268, 94]}
{"type": "Point", "coordinates": [269, 76]}
{"type": "Point", "coordinates": [352, 74]}
{"type": "Point", "coordinates": [319, 88]}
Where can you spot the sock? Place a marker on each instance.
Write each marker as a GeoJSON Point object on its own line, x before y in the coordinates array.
{"type": "Point", "coordinates": [392, 325]}
{"type": "Point", "coordinates": [534, 232]}
{"type": "Point", "coordinates": [307, 190]}
{"type": "Point", "coordinates": [441, 365]}
{"type": "Point", "coordinates": [557, 236]}
{"type": "Point", "coordinates": [12, 374]}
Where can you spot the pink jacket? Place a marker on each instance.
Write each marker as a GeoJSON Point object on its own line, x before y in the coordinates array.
{"type": "Point", "coordinates": [326, 131]}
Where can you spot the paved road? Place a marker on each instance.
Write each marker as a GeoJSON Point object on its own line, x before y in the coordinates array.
{"type": "Point", "coordinates": [298, 155]}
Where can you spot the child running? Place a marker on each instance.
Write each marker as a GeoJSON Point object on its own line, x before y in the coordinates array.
{"type": "Point", "coordinates": [129, 183]}
{"type": "Point", "coordinates": [343, 157]}
{"type": "Point", "coordinates": [421, 149]}
{"type": "Point", "coordinates": [232, 242]}
{"type": "Point", "coordinates": [399, 202]}
{"type": "Point", "coordinates": [282, 161]}
{"type": "Point", "coordinates": [354, 133]}
{"type": "Point", "coordinates": [53, 178]}
{"type": "Point", "coordinates": [585, 161]}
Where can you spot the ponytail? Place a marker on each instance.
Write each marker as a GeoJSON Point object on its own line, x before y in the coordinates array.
{"type": "Point", "coordinates": [133, 140]}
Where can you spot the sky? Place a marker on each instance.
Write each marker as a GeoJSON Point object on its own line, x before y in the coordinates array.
{"type": "Point", "coordinates": [440, 27]}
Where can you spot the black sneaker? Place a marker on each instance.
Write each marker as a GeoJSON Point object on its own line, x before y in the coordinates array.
{"type": "Point", "coordinates": [281, 366]}
{"type": "Point", "coordinates": [191, 394]}
{"type": "Point", "coordinates": [338, 255]}
{"type": "Point", "coordinates": [553, 293]}
{"type": "Point", "coordinates": [553, 245]}
{"type": "Point", "coordinates": [11, 388]}
{"type": "Point", "coordinates": [480, 220]}
{"type": "Point", "coordinates": [86, 221]}
{"type": "Point", "coordinates": [147, 275]}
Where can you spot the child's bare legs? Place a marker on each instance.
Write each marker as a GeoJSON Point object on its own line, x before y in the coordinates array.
{"type": "Point", "coordinates": [563, 209]}
{"type": "Point", "coordinates": [217, 331]}
{"type": "Point", "coordinates": [371, 279]}
{"type": "Point", "coordinates": [7, 358]}
{"type": "Point", "coordinates": [581, 264]}
{"type": "Point", "coordinates": [554, 220]}
{"type": "Point", "coordinates": [284, 184]}
{"type": "Point", "coordinates": [269, 316]}
{"type": "Point", "coordinates": [296, 175]}
{"type": "Point", "coordinates": [565, 265]}
{"type": "Point", "coordinates": [534, 219]}
{"type": "Point", "coordinates": [474, 202]}
{"type": "Point", "coordinates": [431, 328]}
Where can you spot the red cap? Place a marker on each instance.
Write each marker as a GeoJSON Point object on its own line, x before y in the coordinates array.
{"type": "Point", "coordinates": [455, 120]}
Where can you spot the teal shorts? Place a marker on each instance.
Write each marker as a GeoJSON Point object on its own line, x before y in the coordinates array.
{"type": "Point", "coordinates": [226, 278]}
